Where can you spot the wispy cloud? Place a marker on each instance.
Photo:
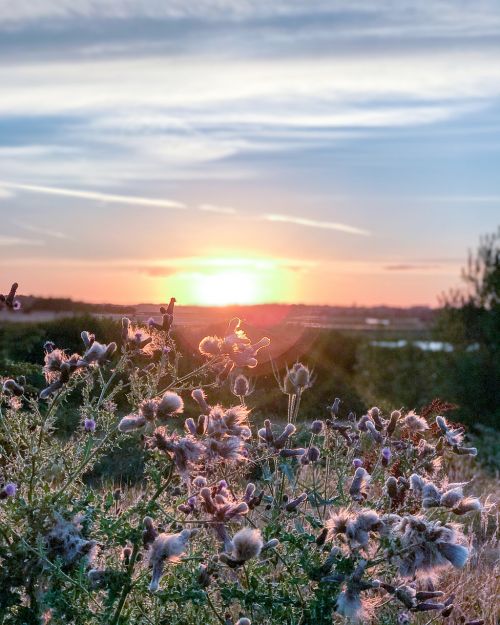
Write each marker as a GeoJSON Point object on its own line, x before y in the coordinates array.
{"type": "Point", "coordinates": [5, 194]}
{"type": "Point", "coordinates": [410, 267]}
{"type": "Point", "coordinates": [313, 223]}
{"type": "Point", "coordinates": [462, 199]}
{"type": "Point", "coordinates": [39, 230]}
{"type": "Point", "coordinates": [7, 241]}
{"type": "Point", "coordinates": [213, 208]}
{"type": "Point", "coordinates": [96, 196]}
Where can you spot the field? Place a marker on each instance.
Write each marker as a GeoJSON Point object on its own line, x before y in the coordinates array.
{"type": "Point", "coordinates": [167, 475]}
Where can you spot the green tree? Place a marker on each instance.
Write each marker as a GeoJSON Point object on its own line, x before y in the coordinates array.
{"type": "Point", "coordinates": [470, 321]}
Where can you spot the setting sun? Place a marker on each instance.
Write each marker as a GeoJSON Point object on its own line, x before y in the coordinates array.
{"type": "Point", "coordinates": [228, 287]}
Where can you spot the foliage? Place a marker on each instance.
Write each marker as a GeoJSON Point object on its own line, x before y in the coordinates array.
{"type": "Point", "coordinates": [347, 517]}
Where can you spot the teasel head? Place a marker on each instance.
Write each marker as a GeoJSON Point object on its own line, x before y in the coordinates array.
{"type": "Point", "coordinates": [199, 396]}
{"type": "Point", "coordinates": [241, 386]}
{"type": "Point", "coordinates": [297, 379]}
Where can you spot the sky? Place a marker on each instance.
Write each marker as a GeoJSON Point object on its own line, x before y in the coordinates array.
{"type": "Point", "coordinates": [245, 151]}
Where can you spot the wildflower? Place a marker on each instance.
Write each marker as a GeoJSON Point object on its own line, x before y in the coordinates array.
{"type": "Point", "coordinates": [246, 544]}
{"type": "Point", "coordinates": [89, 425]}
{"type": "Point", "coordinates": [428, 546]}
{"type": "Point", "coordinates": [167, 318]}
{"type": "Point", "coordinates": [11, 386]}
{"type": "Point", "coordinates": [241, 386]}
{"type": "Point", "coordinates": [292, 453]}
{"type": "Point", "coordinates": [245, 356]}
{"type": "Point", "coordinates": [198, 394]}
{"type": "Point", "coordinates": [150, 533]}
{"type": "Point", "coordinates": [295, 503]}
{"type": "Point", "coordinates": [359, 484]}
{"type": "Point", "coordinates": [96, 352]}
{"type": "Point", "coordinates": [297, 379]}
{"type": "Point", "coordinates": [222, 510]}
{"type": "Point", "coordinates": [313, 454]}
{"type": "Point", "coordinates": [278, 442]}
{"type": "Point", "coordinates": [229, 448]}
{"type": "Point", "coordinates": [386, 456]}
{"type": "Point", "coordinates": [184, 451]}
{"type": "Point", "coordinates": [469, 504]}
{"type": "Point", "coordinates": [8, 490]}
{"type": "Point", "coordinates": [170, 404]}
{"type": "Point", "coordinates": [271, 544]}
{"type": "Point", "coordinates": [317, 426]}
{"type": "Point", "coordinates": [374, 433]}
{"type": "Point", "coordinates": [9, 301]}
{"type": "Point", "coordinates": [391, 487]}
{"type": "Point", "coordinates": [231, 422]}
{"type": "Point", "coordinates": [453, 437]}
{"type": "Point", "coordinates": [131, 422]}
{"type": "Point", "coordinates": [166, 548]}
{"type": "Point", "coordinates": [134, 339]}
{"type": "Point", "coordinates": [65, 541]}
{"type": "Point", "coordinates": [376, 418]}
{"type": "Point", "coordinates": [393, 422]}
{"type": "Point", "coordinates": [414, 423]}
{"type": "Point", "coordinates": [334, 408]}
{"type": "Point", "coordinates": [210, 346]}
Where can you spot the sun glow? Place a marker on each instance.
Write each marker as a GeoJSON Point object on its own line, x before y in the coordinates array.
{"type": "Point", "coordinates": [228, 287]}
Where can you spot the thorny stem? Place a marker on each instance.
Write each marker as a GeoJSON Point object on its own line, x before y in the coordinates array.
{"type": "Point", "coordinates": [127, 587]}
{"type": "Point", "coordinates": [214, 609]}
{"type": "Point", "coordinates": [83, 464]}
{"type": "Point", "coordinates": [186, 377]}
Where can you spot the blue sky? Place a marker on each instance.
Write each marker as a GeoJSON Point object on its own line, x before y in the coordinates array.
{"type": "Point", "coordinates": [285, 145]}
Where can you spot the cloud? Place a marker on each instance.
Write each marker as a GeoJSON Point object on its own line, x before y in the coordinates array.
{"type": "Point", "coordinates": [38, 230]}
{"type": "Point", "coordinates": [313, 223]}
{"type": "Point", "coordinates": [97, 196]}
{"type": "Point", "coordinates": [462, 199]}
{"type": "Point", "coordinates": [410, 267]}
{"type": "Point", "coordinates": [7, 241]}
{"type": "Point", "coordinates": [213, 208]}
{"type": "Point", "coordinates": [5, 194]}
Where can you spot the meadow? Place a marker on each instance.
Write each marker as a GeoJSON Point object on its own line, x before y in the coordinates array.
{"type": "Point", "coordinates": [156, 476]}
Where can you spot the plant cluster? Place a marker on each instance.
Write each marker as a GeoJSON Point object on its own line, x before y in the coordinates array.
{"type": "Point", "coordinates": [345, 518]}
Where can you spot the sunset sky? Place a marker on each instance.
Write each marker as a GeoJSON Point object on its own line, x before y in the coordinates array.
{"type": "Point", "coordinates": [247, 151]}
